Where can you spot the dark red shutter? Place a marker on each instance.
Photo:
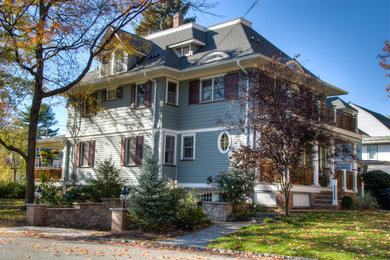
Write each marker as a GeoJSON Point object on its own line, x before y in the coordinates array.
{"type": "Point", "coordinates": [119, 92]}
{"type": "Point", "coordinates": [193, 95]}
{"type": "Point", "coordinates": [104, 95]}
{"type": "Point", "coordinates": [138, 149]}
{"type": "Point", "coordinates": [132, 101]}
{"type": "Point", "coordinates": [91, 155]}
{"type": "Point", "coordinates": [231, 86]}
{"type": "Point", "coordinates": [123, 147]}
{"type": "Point", "coordinates": [148, 93]}
{"type": "Point", "coordinates": [78, 154]}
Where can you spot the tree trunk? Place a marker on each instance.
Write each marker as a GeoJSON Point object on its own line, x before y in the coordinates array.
{"type": "Point", "coordinates": [31, 148]}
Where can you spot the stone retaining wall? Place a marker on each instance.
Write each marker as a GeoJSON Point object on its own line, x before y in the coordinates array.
{"type": "Point", "coordinates": [217, 211]}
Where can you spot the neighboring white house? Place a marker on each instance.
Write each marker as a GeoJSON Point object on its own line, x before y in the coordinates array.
{"type": "Point", "coordinates": [375, 148]}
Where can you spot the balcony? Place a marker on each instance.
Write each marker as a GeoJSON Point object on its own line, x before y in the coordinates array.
{"type": "Point", "coordinates": [52, 171]}
{"type": "Point", "coordinates": [338, 118]}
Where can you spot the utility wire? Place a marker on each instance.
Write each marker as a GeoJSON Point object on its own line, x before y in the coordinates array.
{"type": "Point", "coordinates": [250, 8]}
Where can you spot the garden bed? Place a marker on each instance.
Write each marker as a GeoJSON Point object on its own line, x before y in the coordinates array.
{"type": "Point", "coordinates": [324, 235]}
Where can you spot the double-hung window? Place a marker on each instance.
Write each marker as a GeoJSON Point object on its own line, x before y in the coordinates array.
{"type": "Point", "coordinates": [212, 89]}
{"type": "Point", "coordinates": [111, 94]}
{"type": "Point", "coordinates": [141, 91]}
{"type": "Point", "coordinates": [85, 154]}
{"type": "Point", "coordinates": [188, 147]}
{"type": "Point", "coordinates": [372, 152]}
{"type": "Point", "coordinates": [131, 151]}
{"type": "Point", "coordinates": [172, 95]}
{"type": "Point", "coordinates": [170, 149]}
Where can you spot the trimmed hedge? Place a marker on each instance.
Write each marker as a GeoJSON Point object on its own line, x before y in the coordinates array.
{"type": "Point", "coordinates": [12, 189]}
{"type": "Point", "coordinates": [376, 181]}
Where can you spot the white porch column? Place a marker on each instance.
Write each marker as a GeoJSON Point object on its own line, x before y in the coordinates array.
{"type": "Point", "coordinates": [315, 163]}
{"type": "Point", "coordinates": [362, 189]}
{"type": "Point", "coordinates": [354, 167]}
{"type": "Point", "coordinates": [331, 163]}
{"type": "Point", "coordinates": [335, 201]}
{"type": "Point", "coordinates": [344, 179]}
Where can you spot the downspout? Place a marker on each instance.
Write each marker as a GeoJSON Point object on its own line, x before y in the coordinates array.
{"type": "Point", "coordinates": [246, 105]}
{"type": "Point", "coordinates": [154, 110]}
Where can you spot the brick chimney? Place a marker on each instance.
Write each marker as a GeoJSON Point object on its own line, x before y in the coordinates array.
{"type": "Point", "coordinates": [177, 19]}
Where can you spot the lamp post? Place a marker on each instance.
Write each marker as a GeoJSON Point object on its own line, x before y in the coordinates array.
{"type": "Point", "coordinates": [124, 196]}
{"type": "Point", "coordinates": [38, 193]}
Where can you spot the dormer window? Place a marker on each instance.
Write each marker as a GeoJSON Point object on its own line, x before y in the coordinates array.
{"type": "Point", "coordinates": [184, 51]}
{"type": "Point", "coordinates": [213, 56]}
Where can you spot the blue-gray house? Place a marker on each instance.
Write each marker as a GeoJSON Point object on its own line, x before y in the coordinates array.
{"type": "Point", "coordinates": [170, 98]}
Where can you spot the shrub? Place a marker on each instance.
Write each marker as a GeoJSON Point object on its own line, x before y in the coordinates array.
{"type": "Point", "coordinates": [367, 202]}
{"type": "Point", "coordinates": [188, 215]}
{"type": "Point", "coordinates": [376, 182]}
{"type": "Point", "coordinates": [347, 202]}
{"type": "Point", "coordinates": [268, 220]}
{"type": "Point", "coordinates": [50, 193]}
{"type": "Point", "coordinates": [80, 194]}
{"type": "Point", "coordinates": [108, 182]}
{"type": "Point", "coordinates": [12, 189]}
{"type": "Point", "coordinates": [235, 185]}
{"type": "Point", "coordinates": [256, 208]}
{"type": "Point", "coordinates": [152, 205]}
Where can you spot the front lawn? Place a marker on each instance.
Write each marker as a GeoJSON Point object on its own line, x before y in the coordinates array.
{"type": "Point", "coordinates": [12, 212]}
{"type": "Point", "coordinates": [324, 234]}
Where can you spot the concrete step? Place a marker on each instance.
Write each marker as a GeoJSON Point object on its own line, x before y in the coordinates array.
{"type": "Point", "coordinates": [322, 202]}
{"type": "Point", "coordinates": [323, 206]}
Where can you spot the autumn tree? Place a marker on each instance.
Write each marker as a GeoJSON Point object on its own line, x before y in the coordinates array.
{"type": "Point", "coordinates": [159, 16]}
{"type": "Point", "coordinates": [384, 61]}
{"type": "Point", "coordinates": [284, 119]}
{"type": "Point", "coordinates": [54, 44]}
{"type": "Point", "coordinates": [46, 121]}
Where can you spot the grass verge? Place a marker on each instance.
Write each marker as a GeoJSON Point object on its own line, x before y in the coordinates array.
{"type": "Point", "coordinates": [323, 234]}
{"type": "Point", "coordinates": [12, 212]}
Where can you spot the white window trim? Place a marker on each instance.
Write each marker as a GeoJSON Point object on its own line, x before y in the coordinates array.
{"type": "Point", "coordinates": [177, 91]}
{"type": "Point", "coordinates": [368, 152]}
{"type": "Point", "coordinates": [136, 94]}
{"type": "Point", "coordinates": [174, 152]}
{"type": "Point", "coordinates": [212, 88]}
{"type": "Point", "coordinates": [182, 146]}
{"type": "Point", "coordinates": [83, 146]}
{"type": "Point", "coordinates": [219, 142]}
{"type": "Point", "coordinates": [204, 58]}
{"type": "Point", "coordinates": [126, 159]}
{"type": "Point", "coordinates": [111, 89]}
{"type": "Point", "coordinates": [181, 54]}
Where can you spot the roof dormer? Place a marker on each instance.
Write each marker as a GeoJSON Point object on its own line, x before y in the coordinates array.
{"type": "Point", "coordinates": [118, 61]}
{"type": "Point", "coordinates": [186, 48]}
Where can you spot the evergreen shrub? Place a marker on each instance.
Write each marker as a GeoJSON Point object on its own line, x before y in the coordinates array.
{"type": "Point", "coordinates": [376, 182]}
{"type": "Point", "coordinates": [108, 182]}
{"type": "Point", "coordinates": [347, 202]}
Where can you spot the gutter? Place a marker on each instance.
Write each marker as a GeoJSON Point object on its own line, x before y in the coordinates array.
{"type": "Point", "coordinates": [154, 109]}
{"type": "Point", "coordinates": [246, 104]}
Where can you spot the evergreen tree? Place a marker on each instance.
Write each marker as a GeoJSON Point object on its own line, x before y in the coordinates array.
{"type": "Point", "coordinates": [159, 16]}
{"type": "Point", "coordinates": [151, 205]}
{"type": "Point", "coordinates": [46, 121]}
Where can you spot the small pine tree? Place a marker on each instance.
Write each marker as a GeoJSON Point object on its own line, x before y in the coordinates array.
{"type": "Point", "coordinates": [109, 181]}
{"type": "Point", "coordinates": [151, 205]}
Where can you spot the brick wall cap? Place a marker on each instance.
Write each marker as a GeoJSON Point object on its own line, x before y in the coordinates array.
{"type": "Point", "coordinates": [119, 209]}
{"type": "Point", "coordinates": [216, 202]}
{"type": "Point", "coordinates": [36, 205]}
{"type": "Point", "coordinates": [54, 209]}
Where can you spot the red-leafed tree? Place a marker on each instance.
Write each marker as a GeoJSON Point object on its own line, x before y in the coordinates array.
{"type": "Point", "coordinates": [385, 62]}
{"type": "Point", "coordinates": [284, 118]}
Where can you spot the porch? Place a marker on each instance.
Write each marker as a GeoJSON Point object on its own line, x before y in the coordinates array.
{"type": "Point", "coordinates": [52, 170]}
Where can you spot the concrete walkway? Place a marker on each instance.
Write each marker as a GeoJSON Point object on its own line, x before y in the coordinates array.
{"type": "Point", "coordinates": [202, 238]}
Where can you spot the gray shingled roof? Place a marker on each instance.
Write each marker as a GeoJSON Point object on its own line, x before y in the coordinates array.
{"type": "Point", "coordinates": [339, 103]}
{"type": "Point", "coordinates": [237, 40]}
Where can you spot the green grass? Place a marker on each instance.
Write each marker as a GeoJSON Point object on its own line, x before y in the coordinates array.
{"type": "Point", "coordinates": [12, 212]}
{"type": "Point", "coordinates": [325, 235]}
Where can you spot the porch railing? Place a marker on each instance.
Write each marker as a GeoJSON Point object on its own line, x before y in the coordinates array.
{"type": "Point", "coordinates": [343, 120]}
{"type": "Point", "coordinates": [350, 177]}
{"type": "Point", "coordinates": [303, 174]}
{"type": "Point", "coordinates": [52, 171]}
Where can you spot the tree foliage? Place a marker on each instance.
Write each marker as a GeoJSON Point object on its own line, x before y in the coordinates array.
{"type": "Point", "coordinates": [159, 16]}
{"type": "Point", "coordinates": [46, 121]}
{"type": "Point", "coordinates": [284, 120]}
{"type": "Point", "coordinates": [385, 62]}
{"type": "Point", "coordinates": [51, 45]}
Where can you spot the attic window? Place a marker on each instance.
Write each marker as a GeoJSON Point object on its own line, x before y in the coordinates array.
{"type": "Point", "coordinates": [184, 51]}
{"type": "Point", "coordinates": [214, 56]}
{"type": "Point", "coordinates": [294, 65]}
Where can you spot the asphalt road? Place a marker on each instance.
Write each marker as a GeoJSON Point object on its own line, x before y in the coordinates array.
{"type": "Point", "coordinates": [22, 247]}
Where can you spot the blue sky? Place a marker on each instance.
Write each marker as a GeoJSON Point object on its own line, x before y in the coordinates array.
{"type": "Point", "coordinates": [338, 40]}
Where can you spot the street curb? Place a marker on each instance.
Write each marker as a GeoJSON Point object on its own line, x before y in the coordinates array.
{"type": "Point", "coordinates": [157, 244]}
